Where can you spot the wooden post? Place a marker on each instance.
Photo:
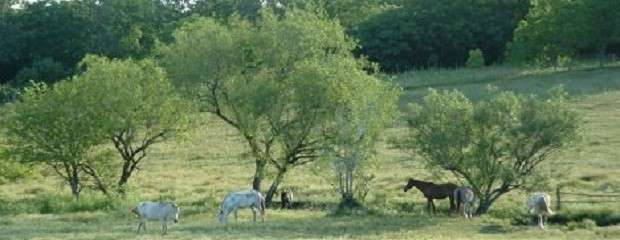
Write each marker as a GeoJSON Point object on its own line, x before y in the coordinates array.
{"type": "Point", "coordinates": [558, 198]}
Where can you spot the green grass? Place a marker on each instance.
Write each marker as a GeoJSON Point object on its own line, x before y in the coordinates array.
{"type": "Point", "coordinates": [199, 170]}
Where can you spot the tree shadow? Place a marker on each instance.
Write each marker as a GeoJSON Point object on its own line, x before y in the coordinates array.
{"type": "Point", "coordinates": [352, 226]}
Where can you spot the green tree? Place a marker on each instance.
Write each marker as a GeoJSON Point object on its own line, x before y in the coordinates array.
{"type": "Point", "coordinates": [277, 82]}
{"type": "Point", "coordinates": [552, 33]}
{"type": "Point", "coordinates": [496, 145]}
{"type": "Point", "coordinates": [438, 33]}
{"type": "Point", "coordinates": [351, 151]}
{"type": "Point", "coordinates": [130, 104]}
{"type": "Point", "coordinates": [139, 105]}
{"type": "Point", "coordinates": [605, 18]}
{"type": "Point", "coordinates": [52, 126]}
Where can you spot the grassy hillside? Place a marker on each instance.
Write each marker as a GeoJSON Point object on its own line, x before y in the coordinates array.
{"type": "Point", "coordinates": [199, 170]}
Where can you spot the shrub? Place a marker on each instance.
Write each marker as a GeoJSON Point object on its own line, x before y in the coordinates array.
{"type": "Point", "coordinates": [475, 59]}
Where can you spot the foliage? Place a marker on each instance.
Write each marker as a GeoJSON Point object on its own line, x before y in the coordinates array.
{"type": "Point", "coordinates": [604, 17]}
{"type": "Point", "coordinates": [130, 104]}
{"type": "Point", "coordinates": [72, 29]}
{"type": "Point", "coordinates": [430, 33]}
{"type": "Point", "coordinates": [138, 105]}
{"type": "Point", "coordinates": [495, 145]}
{"type": "Point", "coordinates": [277, 82]}
{"type": "Point", "coordinates": [45, 70]}
{"type": "Point", "coordinates": [53, 126]}
{"type": "Point", "coordinates": [475, 59]}
{"type": "Point", "coordinates": [552, 31]}
{"type": "Point", "coordinates": [11, 170]}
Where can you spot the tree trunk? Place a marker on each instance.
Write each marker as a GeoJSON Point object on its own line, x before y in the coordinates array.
{"type": "Point", "coordinates": [125, 174]}
{"type": "Point", "coordinates": [259, 174]}
{"type": "Point", "coordinates": [274, 188]}
{"type": "Point", "coordinates": [74, 180]}
{"type": "Point", "coordinates": [483, 207]}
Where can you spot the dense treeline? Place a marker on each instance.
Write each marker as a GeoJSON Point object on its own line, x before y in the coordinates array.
{"type": "Point", "coordinates": [431, 33]}
{"type": "Point", "coordinates": [44, 40]}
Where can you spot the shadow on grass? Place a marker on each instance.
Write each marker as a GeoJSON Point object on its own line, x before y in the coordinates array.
{"type": "Point", "coordinates": [315, 227]}
{"type": "Point", "coordinates": [493, 229]}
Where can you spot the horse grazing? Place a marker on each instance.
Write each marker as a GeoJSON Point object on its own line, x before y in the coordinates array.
{"type": "Point", "coordinates": [156, 211]}
{"type": "Point", "coordinates": [540, 203]}
{"type": "Point", "coordinates": [464, 198]}
{"type": "Point", "coordinates": [433, 191]}
{"type": "Point", "coordinates": [242, 199]}
{"type": "Point", "coordinates": [286, 198]}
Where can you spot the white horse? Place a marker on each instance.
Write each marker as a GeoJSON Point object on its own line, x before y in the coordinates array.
{"type": "Point", "coordinates": [464, 198]}
{"type": "Point", "coordinates": [540, 203]}
{"type": "Point", "coordinates": [156, 211]}
{"type": "Point", "coordinates": [242, 199]}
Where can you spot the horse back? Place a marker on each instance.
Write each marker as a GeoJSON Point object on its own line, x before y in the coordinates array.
{"type": "Point", "coordinates": [441, 190]}
{"type": "Point", "coordinates": [243, 199]}
{"type": "Point", "coordinates": [464, 195]}
{"type": "Point", "coordinates": [153, 210]}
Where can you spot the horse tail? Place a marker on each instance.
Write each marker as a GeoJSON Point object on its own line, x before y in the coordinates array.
{"type": "Point", "coordinates": [458, 194]}
{"type": "Point", "coordinates": [262, 205]}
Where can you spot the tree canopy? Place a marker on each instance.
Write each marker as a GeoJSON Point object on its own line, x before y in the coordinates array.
{"type": "Point", "coordinates": [278, 81]}
{"type": "Point", "coordinates": [69, 125]}
{"type": "Point", "coordinates": [496, 145]}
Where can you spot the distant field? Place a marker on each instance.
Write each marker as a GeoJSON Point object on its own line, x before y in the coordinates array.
{"type": "Point", "coordinates": [197, 172]}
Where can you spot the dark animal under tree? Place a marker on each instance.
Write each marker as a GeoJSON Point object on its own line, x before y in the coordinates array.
{"type": "Point", "coordinates": [286, 197]}
{"type": "Point", "coordinates": [433, 191]}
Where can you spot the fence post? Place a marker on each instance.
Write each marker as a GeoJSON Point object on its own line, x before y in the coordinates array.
{"type": "Point", "coordinates": [558, 198]}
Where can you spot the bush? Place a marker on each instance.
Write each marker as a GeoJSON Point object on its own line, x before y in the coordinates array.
{"type": "Point", "coordinates": [475, 59]}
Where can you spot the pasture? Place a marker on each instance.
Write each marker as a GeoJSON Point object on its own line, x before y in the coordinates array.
{"type": "Point", "coordinates": [197, 172]}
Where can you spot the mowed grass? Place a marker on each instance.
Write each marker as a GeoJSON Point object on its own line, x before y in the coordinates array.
{"type": "Point", "coordinates": [198, 170]}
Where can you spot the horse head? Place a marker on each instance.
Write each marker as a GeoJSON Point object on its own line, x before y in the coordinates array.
{"type": "Point", "coordinates": [411, 183]}
{"type": "Point", "coordinates": [175, 212]}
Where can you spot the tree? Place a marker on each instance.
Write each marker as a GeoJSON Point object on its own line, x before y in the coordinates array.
{"type": "Point", "coordinates": [552, 33]}
{"type": "Point", "coordinates": [352, 151]}
{"type": "Point", "coordinates": [496, 145]}
{"type": "Point", "coordinates": [605, 18]}
{"type": "Point", "coordinates": [51, 126]}
{"type": "Point", "coordinates": [11, 169]}
{"type": "Point", "coordinates": [139, 104]}
{"type": "Point", "coordinates": [277, 82]}
{"type": "Point", "coordinates": [130, 104]}
{"type": "Point", "coordinates": [438, 33]}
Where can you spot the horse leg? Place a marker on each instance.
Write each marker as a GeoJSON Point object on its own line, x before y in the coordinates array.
{"type": "Point", "coordinates": [432, 205]}
{"type": "Point", "coordinates": [452, 205]}
{"type": "Point", "coordinates": [140, 226]}
{"type": "Point", "coordinates": [540, 223]}
{"type": "Point", "coordinates": [235, 212]}
{"type": "Point", "coordinates": [428, 205]}
{"type": "Point", "coordinates": [164, 227]}
{"type": "Point", "coordinates": [253, 213]}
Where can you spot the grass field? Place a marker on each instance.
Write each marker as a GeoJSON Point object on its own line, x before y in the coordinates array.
{"type": "Point", "coordinates": [198, 170]}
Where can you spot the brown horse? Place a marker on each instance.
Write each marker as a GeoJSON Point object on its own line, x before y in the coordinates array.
{"type": "Point", "coordinates": [433, 191]}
